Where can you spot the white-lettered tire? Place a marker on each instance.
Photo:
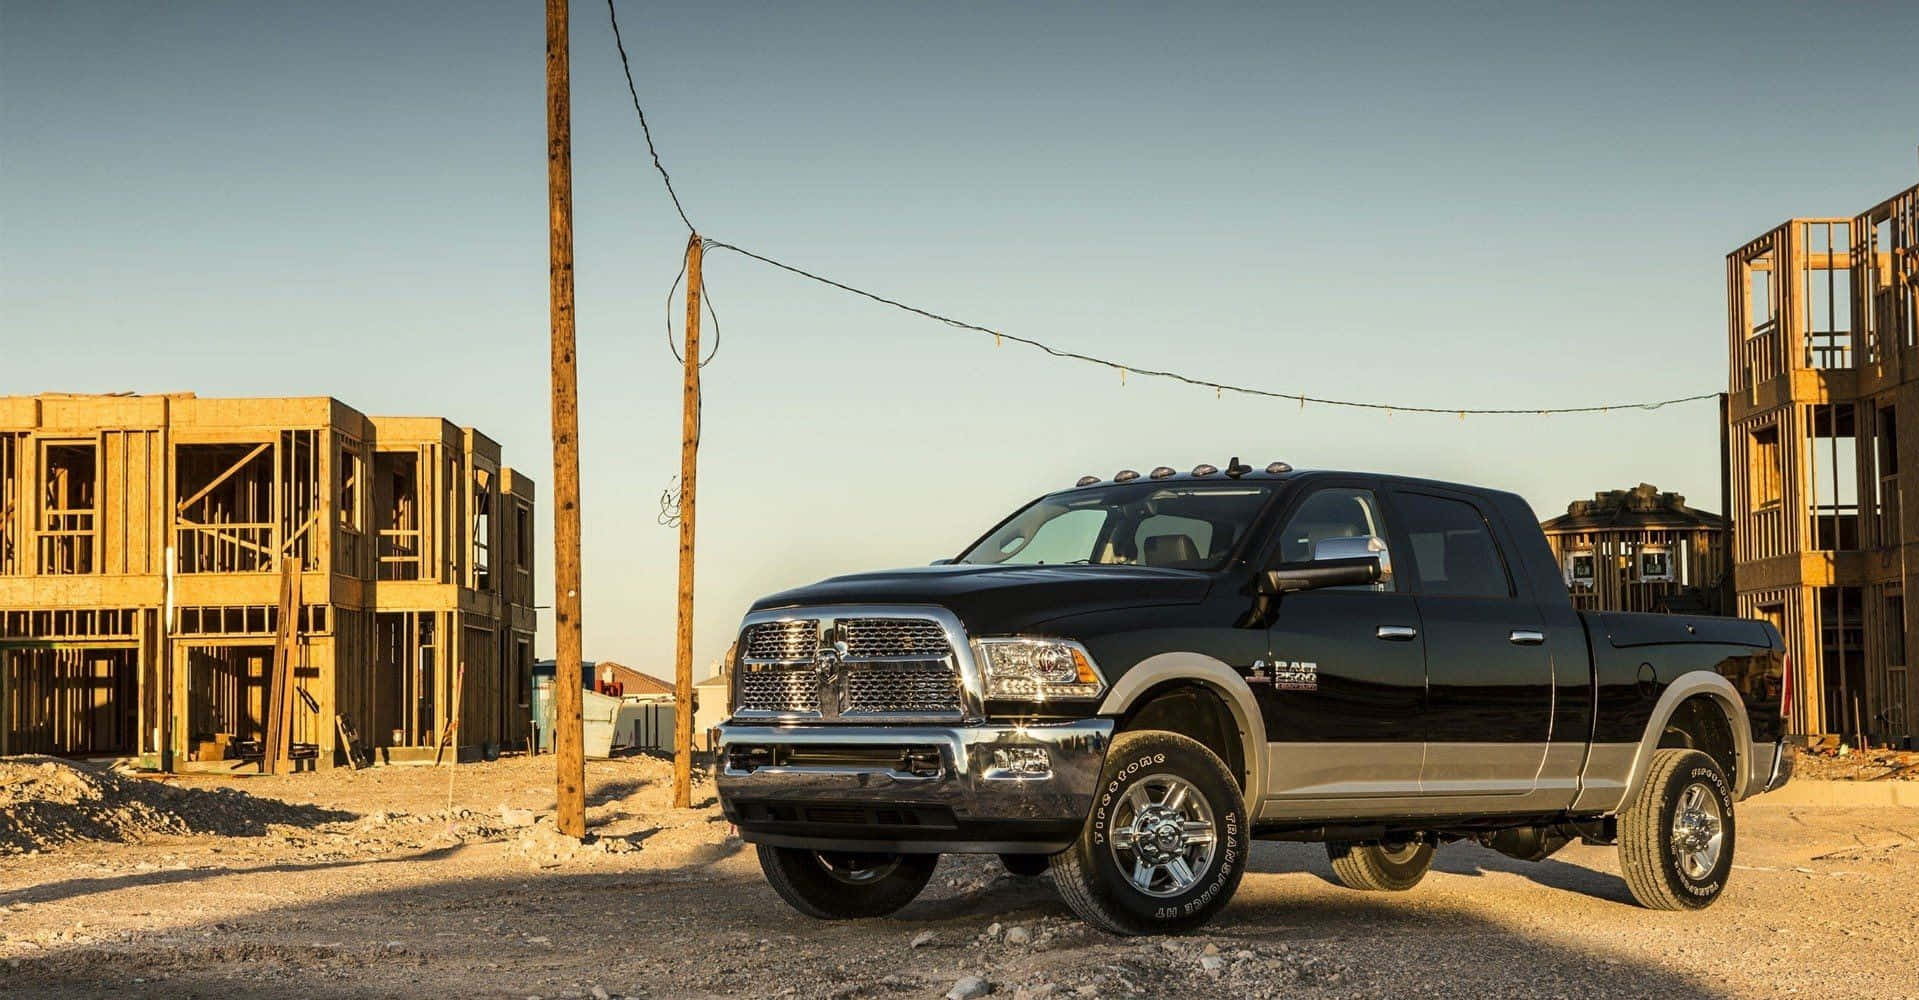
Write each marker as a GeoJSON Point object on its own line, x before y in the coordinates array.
{"type": "Point", "coordinates": [1166, 843]}
{"type": "Point", "coordinates": [1676, 838]}
{"type": "Point", "coordinates": [838, 885]}
{"type": "Point", "coordinates": [1389, 867]}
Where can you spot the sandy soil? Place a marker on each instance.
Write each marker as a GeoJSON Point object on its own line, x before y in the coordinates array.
{"type": "Point", "coordinates": [407, 896]}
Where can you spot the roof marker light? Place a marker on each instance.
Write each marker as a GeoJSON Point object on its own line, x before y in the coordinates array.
{"type": "Point", "coordinates": [1278, 468]}
{"type": "Point", "coordinates": [1087, 480]}
{"type": "Point", "coordinates": [1125, 476]}
{"type": "Point", "coordinates": [1163, 471]}
{"type": "Point", "coordinates": [1203, 469]}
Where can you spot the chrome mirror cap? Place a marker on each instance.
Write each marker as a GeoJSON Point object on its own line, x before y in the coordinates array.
{"type": "Point", "coordinates": [1357, 547]}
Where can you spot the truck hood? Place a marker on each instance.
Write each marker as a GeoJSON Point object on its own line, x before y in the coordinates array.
{"type": "Point", "coordinates": [997, 600]}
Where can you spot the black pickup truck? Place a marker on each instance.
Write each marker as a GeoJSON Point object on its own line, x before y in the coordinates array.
{"type": "Point", "coordinates": [1130, 680]}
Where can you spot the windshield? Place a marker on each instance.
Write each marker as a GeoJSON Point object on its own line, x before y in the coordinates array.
{"type": "Point", "coordinates": [1181, 525]}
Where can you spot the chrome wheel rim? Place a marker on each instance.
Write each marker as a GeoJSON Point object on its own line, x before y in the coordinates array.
{"type": "Point", "coordinates": [856, 869]}
{"type": "Point", "coordinates": [1698, 831]}
{"type": "Point", "coordinates": [1162, 835]}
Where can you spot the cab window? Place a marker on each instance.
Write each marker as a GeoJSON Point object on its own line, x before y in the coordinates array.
{"type": "Point", "coordinates": [1454, 553]}
{"type": "Point", "coordinates": [1064, 539]}
{"type": "Point", "coordinates": [1171, 540]}
{"type": "Point", "coordinates": [1334, 513]}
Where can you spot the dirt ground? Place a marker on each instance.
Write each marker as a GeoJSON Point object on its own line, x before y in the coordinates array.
{"type": "Point", "coordinates": [368, 884]}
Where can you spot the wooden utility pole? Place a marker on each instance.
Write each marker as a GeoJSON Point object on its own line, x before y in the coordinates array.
{"type": "Point", "coordinates": [689, 474]}
{"type": "Point", "coordinates": [569, 752]}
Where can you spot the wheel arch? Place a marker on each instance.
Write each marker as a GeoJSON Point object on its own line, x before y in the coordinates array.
{"type": "Point", "coordinates": [1691, 693]}
{"type": "Point", "coordinates": [1168, 673]}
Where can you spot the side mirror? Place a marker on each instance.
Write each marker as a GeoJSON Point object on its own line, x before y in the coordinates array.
{"type": "Point", "coordinates": [1320, 573]}
{"type": "Point", "coordinates": [1356, 547]}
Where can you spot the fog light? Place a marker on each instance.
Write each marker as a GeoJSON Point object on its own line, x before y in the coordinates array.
{"type": "Point", "coordinates": [1017, 763]}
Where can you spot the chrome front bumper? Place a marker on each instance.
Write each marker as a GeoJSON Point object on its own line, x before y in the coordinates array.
{"type": "Point", "coordinates": [988, 788]}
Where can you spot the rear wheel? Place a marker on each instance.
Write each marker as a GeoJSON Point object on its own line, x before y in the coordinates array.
{"type": "Point", "coordinates": [843, 885]}
{"type": "Point", "coordinates": [1165, 845]}
{"type": "Point", "coordinates": [1392, 867]}
{"type": "Point", "coordinates": [1676, 838]}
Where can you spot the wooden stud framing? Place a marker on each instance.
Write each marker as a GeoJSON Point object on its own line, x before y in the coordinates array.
{"type": "Point", "coordinates": [181, 511]}
{"type": "Point", "coordinates": [1822, 430]}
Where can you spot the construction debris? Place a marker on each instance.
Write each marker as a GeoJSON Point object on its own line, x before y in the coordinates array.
{"type": "Point", "coordinates": [45, 803]}
{"type": "Point", "coordinates": [1836, 761]}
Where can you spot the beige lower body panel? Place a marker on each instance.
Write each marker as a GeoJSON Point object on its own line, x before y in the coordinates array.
{"type": "Point", "coordinates": [1312, 781]}
{"type": "Point", "coordinates": [1608, 776]}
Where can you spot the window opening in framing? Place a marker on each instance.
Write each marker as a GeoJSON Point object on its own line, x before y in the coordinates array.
{"type": "Point", "coordinates": [482, 529]}
{"type": "Point", "coordinates": [1764, 474]}
{"type": "Point", "coordinates": [350, 472]}
{"type": "Point", "coordinates": [69, 514]}
{"type": "Point", "coordinates": [522, 536]}
{"type": "Point", "coordinates": [1827, 294]}
{"type": "Point", "coordinates": [397, 495]}
{"type": "Point", "coordinates": [1832, 496]}
{"type": "Point", "coordinates": [1760, 317]}
{"type": "Point", "coordinates": [223, 508]}
{"type": "Point", "coordinates": [300, 485]}
{"type": "Point", "coordinates": [9, 502]}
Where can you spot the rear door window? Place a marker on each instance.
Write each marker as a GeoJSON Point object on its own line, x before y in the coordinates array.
{"type": "Point", "coordinates": [1454, 554]}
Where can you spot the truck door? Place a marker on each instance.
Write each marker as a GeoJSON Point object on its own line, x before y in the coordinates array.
{"type": "Point", "coordinates": [1344, 687]}
{"type": "Point", "coordinates": [1489, 674]}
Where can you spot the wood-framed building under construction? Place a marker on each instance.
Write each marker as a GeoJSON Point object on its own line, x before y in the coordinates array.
{"type": "Point", "coordinates": [1822, 426]}
{"type": "Point", "coordinates": [142, 540]}
{"type": "Point", "coordinates": [1643, 550]}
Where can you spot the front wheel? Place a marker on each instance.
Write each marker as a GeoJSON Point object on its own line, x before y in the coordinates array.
{"type": "Point", "coordinates": [843, 885]}
{"type": "Point", "coordinates": [1165, 845]}
{"type": "Point", "coordinates": [1676, 838]}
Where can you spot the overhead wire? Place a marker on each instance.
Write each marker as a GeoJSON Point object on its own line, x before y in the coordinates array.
{"type": "Point", "coordinates": [627, 67]}
{"type": "Point", "coordinates": [706, 297]}
{"type": "Point", "coordinates": [1124, 369]}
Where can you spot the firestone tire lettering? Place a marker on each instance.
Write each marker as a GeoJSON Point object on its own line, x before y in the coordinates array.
{"type": "Point", "coordinates": [1654, 864]}
{"type": "Point", "coordinates": [1087, 875]}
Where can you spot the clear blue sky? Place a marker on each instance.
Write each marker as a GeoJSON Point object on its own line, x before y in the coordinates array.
{"type": "Point", "coordinates": [1522, 205]}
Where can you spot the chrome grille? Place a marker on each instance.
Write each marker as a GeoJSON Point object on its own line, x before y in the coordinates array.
{"type": "Point", "coordinates": [928, 686]}
{"type": "Point", "coordinates": [883, 638]}
{"type": "Point", "coordinates": [791, 641]}
{"type": "Point", "coordinates": [830, 667]}
{"type": "Point", "coordinates": [779, 689]}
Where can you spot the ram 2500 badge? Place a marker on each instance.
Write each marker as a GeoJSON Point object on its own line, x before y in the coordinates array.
{"type": "Point", "coordinates": [1130, 680]}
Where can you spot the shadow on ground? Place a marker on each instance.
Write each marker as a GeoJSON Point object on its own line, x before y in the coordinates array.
{"type": "Point", "coordinates": [719, 931]}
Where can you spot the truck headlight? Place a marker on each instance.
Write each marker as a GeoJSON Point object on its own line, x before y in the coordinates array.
{"type": "Point", "coordinates": [1038, 669]}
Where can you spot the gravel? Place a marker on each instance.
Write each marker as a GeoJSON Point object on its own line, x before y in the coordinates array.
{"type": "Point", "coordinates": [412, 891]}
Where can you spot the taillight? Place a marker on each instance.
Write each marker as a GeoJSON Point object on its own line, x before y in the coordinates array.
{"type": "Point", "coordinates": [1785, 693]}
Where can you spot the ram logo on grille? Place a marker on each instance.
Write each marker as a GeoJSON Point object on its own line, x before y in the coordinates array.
{"type": "Point", "coordinates": [849, 667]}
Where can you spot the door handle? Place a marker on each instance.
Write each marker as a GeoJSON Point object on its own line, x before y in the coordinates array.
{"type": "Point", "coordinates": [1526, 637]}
{"type": "Point", "coordinates": [1397, 633]}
